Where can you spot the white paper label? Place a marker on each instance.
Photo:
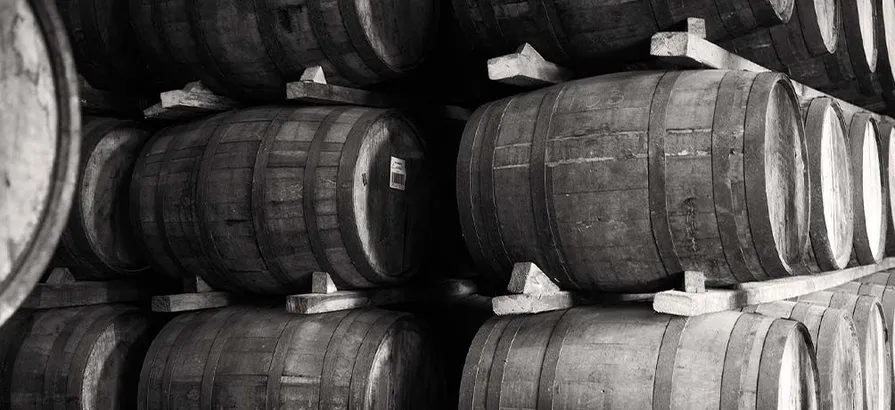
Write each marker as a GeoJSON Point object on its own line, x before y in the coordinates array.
{"type": "Point", "coordinates": [398, 175]}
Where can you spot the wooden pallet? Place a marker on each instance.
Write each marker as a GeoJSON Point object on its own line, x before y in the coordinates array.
{"type": "Point", "coordinates": [62, 290]}
{"type": "Point", "coordinates": [326, 297]}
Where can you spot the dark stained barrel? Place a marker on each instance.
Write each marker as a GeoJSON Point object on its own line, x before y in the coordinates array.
{"type": "Point", "coordinates": [256, 200]}
{"type": "Point", "coordinates": [250, 50]}
{"type": "Point", "coordinates": [850, 72]}
{"type": "Point", "coordinates": [621, 182]}
{"type": "Point", "coordinates": [265, 359]}
{"type": "Point", "coordinates": [869, 189]}
{"type": "Point", "coordinates": [98, 242]}
{"type": "Point", "coordinates": [165, 39]}
{"type": "Point", "coordinates": [870, 324]}
{"type": "Point", "coordinates": [39, 143]}
{"type": "Point", "coordinates": [832, 207]}
{"type": "Point", "coordinates": [813, 31]}
{"type": "Point", "coordinates": [634, 358]}
{"type": "Point", "coordinates": [836, 348]}
{"type": "Point", "coordinates": [885, 34]}
{"type": "Point", "coordinates": [578, 32]}
{"type": "Point", "coordinates": [105, 46]}
{"type": "Point", "coordinates": [85, 358]}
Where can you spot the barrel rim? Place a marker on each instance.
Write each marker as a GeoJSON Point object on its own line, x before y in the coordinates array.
{"type": "Point", "coordinates": [864, 65]}
{"type": "Point", "coordinates": [34, 258]}
{"type": "Point", "coordinates": [815, 41]}
{"type": "Point", "coordinates": [863, 248]}
{"type": "Point", "coordinates": [818, 232]}
{"type": "Point", "coordinates": [754, 140]}
{"type": "Point", "coordinates": [771, 361]}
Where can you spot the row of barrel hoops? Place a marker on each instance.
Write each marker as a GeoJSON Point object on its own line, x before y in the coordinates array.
{"type": "Point", "coordinates": [612, 183]}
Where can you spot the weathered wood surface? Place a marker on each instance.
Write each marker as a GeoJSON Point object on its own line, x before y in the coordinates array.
{"type": "Point", "coordinates": [62, 295]}
{"type": "Point", "coordinates": [194, 100]}
{"type": "Point", "coordinates": [77, 359]}
{"type": "Point", "coordinates": [582, 32]}
{"type": "Point", "coordinates": [870, 325]}
{"type": "Point", "coordinates": [836, 349]}
{"type": "Point", "coordinates": [812, 31]}
{"type": "Point", "coordinates": [609, 183]}
{"type": "Point", "coordinates": [256, 200]}
{"type": "Point", "coordinates": [869, 189]}
{"type": "Point", "coordinates": [314, 303]}
{"type": "Point", "coordinates": [532, 291]}
{"type": "Point", "coordinates": [526, 68]}
{"type": "Point", "coordinates": [357, 43]}
{"type": "Point", "coordinates": [716, 300]}
{"type": "Point", "coordinates": [98, 242]}
{"type": "Point", "coordinates": [832, 206]}
{"type": "Point", "coordinates": [188, 302]}
{"type": "Point", "coordinates": [633, 358]}
{"type": "Point", "coordinates": [39, 143]}
{"type": "Point", "coordinates": [268, 359]}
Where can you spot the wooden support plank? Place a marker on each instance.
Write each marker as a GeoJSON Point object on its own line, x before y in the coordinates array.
{"type": "Point", "coordinates": [694, 282]}
{"type": "Point", "coordinates": [322, 283]}
{"type": "Point", "coordinates": [532, 292]}
{"type": "Point", "coordinates": [691, 51]}
{"type": "Point", "coordinates": [60, 295]}
{"type": "Point", "coordinates": [752, 293]}
{"type": "Point", "coordinates": [186, 302]}
{"type": "Point", "coordinates": [192, 101]}
{"type": "Point", "coordinates": [316, 93]}
{"type": "Point", "coordinates": [526, 68]}
{"type": "Point", "coordinates": [313, 303]}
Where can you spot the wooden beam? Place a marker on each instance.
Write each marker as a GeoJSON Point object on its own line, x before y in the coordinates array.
{"type": "Point", "coordinates": [60, 295]}
{"type": "Point", "coordinates": [192, 101]}
{"type": "Point", "coordinates": [186, 302]}
{"type": "Point", "coordinates": [752, 293]}
{"type": "Point", "coordinates": [526, 68]}
{"type": "Point", "coordinates": [691, 51]}
{"type": "Point", "coordinates": [532, 291]}
{"type": "Point", "coordinates": [313, 303]}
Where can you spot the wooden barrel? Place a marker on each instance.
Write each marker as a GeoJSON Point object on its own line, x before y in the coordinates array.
{"type": "Point", "coordinates": [869, 286]}
{"type": "Point", "coordinates": [836, 349]}
{"type": "Point", "coordinates": [813, 31]}
{"type": "Point", "coordinates": [39, 143]}
{"type": "Point", "coordinates": [357, 42]}
{"type": "Point", "coordinates": [885, 34]}
{"type": "Point", "coordinates": [870, 324]}
{"type": "Point", "coordinates": [256, 200]}
{"type": "Point", "coordinates": [610, 183]}
{"type": "Point", "coordinates": [268, 359]}
{"type": "Point", "coordinates": [84, 358]}
{"type": "Point", "coordinates": [850, 72]}
{"type": "Point", "coordinates": [98, 242]}
{"type": "Point", "coordinates": [832, 208]}
{"type": "Point", "coordinates": [869, 189]}
{"type": "Point", "coordinates": [887, 139]}
{"type": "Point", "coordinates": [166, 40]}
{"type": "Point", "coordinates": [634, 358]}
{"type": "Point", "coordinates": [105, 47]}
{"type": "Point", "coordinates": [580, 32]}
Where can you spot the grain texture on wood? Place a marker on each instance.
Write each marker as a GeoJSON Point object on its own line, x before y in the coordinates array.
{"type": "Point", "coordinates": [832, 206]}
{"type": "Point", "coordinates": [85, 358]}
{"type": "Point", "coordinates": [267, 359]}
{"type": "Point", "coordinates": [61, 295]}
{"type": "Point", "coordinates": [618, 183]}
{"type": "Point", "coordinates": [581, 32]}
{"type": "Point", "coordinates": [870, 325]}
{"type": "Point", "coordinates": [586, 358]}
{"type": "Point", "coordinates": [836, 349]}
{"type": "Point", "coordinates": [39, 143]}
{"type": "Point", "coordinates": [257, 200]}
{"type": "Point", "coordinates": [869, 189]}
{"type": "Point", "coordinates": [98, 242]}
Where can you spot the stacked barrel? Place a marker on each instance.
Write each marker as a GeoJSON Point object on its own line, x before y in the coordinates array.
{"type": "Point", "coordinates": [615, 182]}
